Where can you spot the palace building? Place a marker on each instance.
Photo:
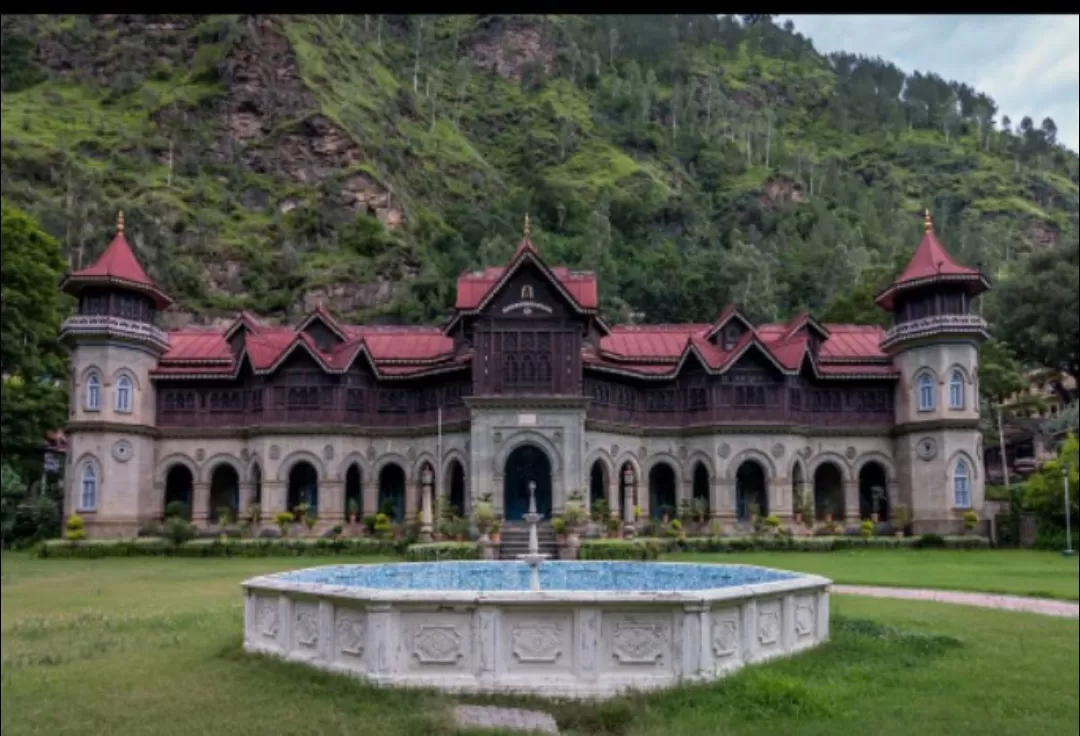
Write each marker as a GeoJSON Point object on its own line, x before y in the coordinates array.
{"type": "Point", "coordinates": [527, 381]}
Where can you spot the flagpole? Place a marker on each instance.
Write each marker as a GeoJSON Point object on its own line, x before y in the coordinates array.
{"type": "Point", "coordinates": [439, 461]}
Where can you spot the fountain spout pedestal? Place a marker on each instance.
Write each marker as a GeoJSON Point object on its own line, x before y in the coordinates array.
{"type": "Point", "coordinates": [533, 558]}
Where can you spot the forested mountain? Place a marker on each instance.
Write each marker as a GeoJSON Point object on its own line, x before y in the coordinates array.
{"type": "Point", "coordinates": [272, 162]}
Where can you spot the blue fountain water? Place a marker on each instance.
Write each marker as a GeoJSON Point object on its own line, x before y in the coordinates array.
{"type": "Point", "coordinates": [514, 576]}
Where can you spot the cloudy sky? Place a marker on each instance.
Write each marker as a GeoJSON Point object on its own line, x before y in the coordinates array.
{"type": "Point", "coordinates": [1029, 64]}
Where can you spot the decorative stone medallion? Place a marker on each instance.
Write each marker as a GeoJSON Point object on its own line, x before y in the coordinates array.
{"type": "Point", "coordinates": [723, 451]}
{"type": "Point", "coordinates": [614, 451]}
{"type": "Point", "coordinates": [437, 644]}
{"type": "Point", "coordinates": [769, 627]}
{"type": "Point", "coordinates": [927, 448]}
{"type": "Point", "coordinates": [643, 452]}
{"type": "Point", "coordinates": [275, 452]}
{"type": "Point", "coordinates": [807, 452]}
{"type": "Point", "coordinates": [804, 619]}
{"type": "Point", "coordinates": [725, 637]}
{"type": "Point", "coordinates": [371, 454]}
{"type": "Point", "coordinates": [266, 616]}
{"type": "Point", "coordinates": [537, 642]}
{"type": "Point", "coordinates": [558, 435]}
{"type": "Point", "coordinates": [200, 455]}
{"type": "Point", "coordinates": [410, 454]}
{"type": "Point", "coordinates": [245, 455]}
{"type": "Point", "coordinates": [637, 643]}
{"type": "Point", "coordinates": [307, 626]}
{"type": "Point", "coordinates": [778, 450]}
{"type": "Point", "coordinates": [328, 452]}
{"type": "Point", "coordinates": [850, 452]}
{"type": "Point", "coordinates": [351, 634]}
{"type": "Point", "coordinates": [683, 452]}
{"type": "Point", "coordinates": [496, 438]}
{"type": "Point", "coordinates": [122, 451]}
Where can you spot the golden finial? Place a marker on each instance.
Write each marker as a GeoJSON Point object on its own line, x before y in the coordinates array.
{"type": "Point", "coordinates": [528, 228]}
{"type": "Point", "coordinates": [928, 223]}
{"type": "Point", "coordinates": [120, 222]}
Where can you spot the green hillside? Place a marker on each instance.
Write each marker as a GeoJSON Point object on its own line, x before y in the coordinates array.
{"type": "Point", "coordinates": [268, 162]}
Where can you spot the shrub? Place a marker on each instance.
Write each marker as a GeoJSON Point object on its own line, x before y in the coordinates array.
{"type": "Point", "coordinates": [215, 547]}
{"type": "Point", "coordinates": [967, 542]}
{"type": "Point", "coordinates": [152, 529]}
{"type": "Point", "coordinates": [929, 541]}
{"type": "Point", "coordinates": [437, 551]}
{"type": "Point", "coordinates": [224, 515]}
{"type": "Point", "coordinates": [176, 509]}
{"type": "Point", "coordinates": [352, 508]}
{"type": "Point", "coordinates": [73, 529]}
{"type": "Point", "coordinates": [558, 525]}
{"type": "Point", "coordinates": [310, 520]}
{"type": "Point", "coordinates": [619, 549]}
{"type": "Point", "coordinates": [866, 529]}
{"type": "Point", "coordinates": [483, 516]}
{"type": "Point", "coordinates": [283, 519]}
{"type": "Point", "coordinates": [970, 520]}
{"type": "Point", "coordinates": [772, 521]}
{"type": "Point", "coordinates": [369, 523]}
{"type": "Point", "coordinates": [575, 515]}
{"type": "Point", "coordinates": [178, 530]}
{"type": "Point", "coordinates": [253, 514]}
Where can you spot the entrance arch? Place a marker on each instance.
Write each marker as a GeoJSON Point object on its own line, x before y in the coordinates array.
{"type": "Point", "coordinates": [354, 493]}
{"type": "Point", "coordinates": [178, 489]}
{"type": "Point", "coordinates": [457, 488]}
{"type": "Point", "coordinates": [597, 484]}
{"type": "Point", "coordinates": [526, 463]}
{"type": "Point", "coordinates": [828, 491]}
{"type": "Point", "coordinates": [392, 492]}
{"type": "Point", "coordinates": [662, 491]}
{"type": "Point", "coordinates": [224, 492]}
{"type": "Point", "coordinates": [751, 492]}
{"type": "Point", "coordinates": [304, 487]}
{"type": "Point", "coordinates": [873, 491]}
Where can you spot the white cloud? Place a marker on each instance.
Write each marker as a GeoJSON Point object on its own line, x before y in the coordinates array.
{"type": "Point", "coordinates": [1029, 64]}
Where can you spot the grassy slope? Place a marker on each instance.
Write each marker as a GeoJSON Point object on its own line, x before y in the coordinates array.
{"type": "Point", "coordinates": [153, 646]}
{"type": "Point", "coordinates": [463, 146]}
{"type": "Point", "coordinates": [1015, 572]}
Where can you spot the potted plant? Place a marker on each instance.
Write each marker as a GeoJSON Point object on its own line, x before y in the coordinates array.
{"type": "Point", "coordinates": [677, 529]}
{"type": "Point", "coordinates": [575, 517]}
{"type": "Point", "coordinates": [284, 520]}
{"type": "Point", "coordinates": [309, 521]}
{"type": "Point", "coordinates": [176, 508]}
{"type": "Point", "coordinates": [483, 517]}
{"type": "Point", "coordinates": [866, 529]}
{"type": "Point", "coordinates": [600, 511]}
{"type": "Point", "coordinates": [901, 517]}
{"type": "Point", "coordinates": [223, 517]}
{"type": "Point", "coordinates": [637, 513]}
{"type": "Point", "coordinates": [369, 522]}
{"type": "Point", "coordinates": [558, 526]}
{"type": "Point", "coordinates": [73, 529]}
{"type": "Point", "coordinates": [827, 509]}
{"type": "Point", "coordinates": [461, 528]}
{"type": "Point", "coordinates": [772, 523]}
{"type": "Point", "coordinates": [253, 514]}
{"type": "Point", "coordinates": [382, 526]}
{"type": "Point", "coordinates": [971, 520]}
{"type": "Point", "coordinates": [353, 510]}
{"type": "Point", "coordinates": [614, 527]}
{"type": "Point", "coordinates": [700, 510]}
{"type": "Point", "coordinates": [496, 532]}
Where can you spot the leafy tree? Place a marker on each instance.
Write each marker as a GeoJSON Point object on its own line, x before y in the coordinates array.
{"type": "Point", "coordinates": [1044, 492]}
{"type": "Point", "coordinates": [33, 366]}
{"type": "Point", "coordinates": [1040, 308]}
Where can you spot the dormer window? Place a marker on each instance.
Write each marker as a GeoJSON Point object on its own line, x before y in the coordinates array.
{"type": "Point", "coordinates": [731, 336]}
{"type": "Point", "coordinates": [527, 292]}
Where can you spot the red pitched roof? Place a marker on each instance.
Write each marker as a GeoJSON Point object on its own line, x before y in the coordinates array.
{"type": "Point", "coordinates": [473, 287]}
{"type": "Point", "coordinates": [117, 265]}
{"type": "Point", "coordinates": [931, 262]}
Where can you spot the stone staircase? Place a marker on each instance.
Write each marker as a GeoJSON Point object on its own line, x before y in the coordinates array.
{"type": "Point", "coordinates": [515, 540]}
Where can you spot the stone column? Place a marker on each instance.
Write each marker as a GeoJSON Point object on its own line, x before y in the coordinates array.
{"type": "Point", "coordinates": [200, 503]}
{"type": "Point", "coordinates": [613, 497]}
{"type": "Point", "coordinates": [426, 480]}
{"type": "Point", "coordinates": [722, 502]}
{"type": "Point", "coordinates": [246, 491]}
{"type": "Point", "coordinates": [332, 501]}
{"type": "Point", "coordinates": [851, 501]}
{"type": "Point", "coordinates": [684, 493]}
{"type": "Point", "coordinates": [780, 499]}
{"type": "Point", "coordinates": [273, 499]}
{"type": "Point", "coordinates": [412, 500]}
{"type": "Point", "coordinates": [370, 494]}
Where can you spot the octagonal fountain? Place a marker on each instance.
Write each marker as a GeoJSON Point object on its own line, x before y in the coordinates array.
{"type": "Point", "coordinates": [581, 629]}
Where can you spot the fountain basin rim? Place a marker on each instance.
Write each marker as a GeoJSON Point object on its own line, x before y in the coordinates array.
{"type": "Point", "coordinates": [800, 582]}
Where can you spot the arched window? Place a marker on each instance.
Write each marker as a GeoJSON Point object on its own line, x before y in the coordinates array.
{"type": "Point", "coordinates": [123, 394]}
{"type": "Point", "coordinates": [93, 393]}
{"type": "Point", "coordinates": [956, 390]}
{"type": "Point", "coordinates": [961, 486]}
{"type": "Point", "coordinates": [926, 392]}
{"type": "Point", "coordinates": [88, 487]}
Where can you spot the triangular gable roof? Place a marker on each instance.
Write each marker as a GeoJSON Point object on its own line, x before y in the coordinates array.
{"type": "Point", "coordinates": [801, 320]}
{"type": "Point", "coordinates": [929, 264]}
{"type": "Point", "coordinates": [728, 313]}
{"type": "Point", "coordinates": [321, 314]}
{"type": "Point", "coordinates": [246, 320]}
{"type": "Point", "coordinates": [117, 266]}
{"type": "Point", "coordinates": [495, 280]}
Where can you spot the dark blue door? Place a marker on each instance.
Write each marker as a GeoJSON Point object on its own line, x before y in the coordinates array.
{"type": "Point", "coordinates": [526, 463]}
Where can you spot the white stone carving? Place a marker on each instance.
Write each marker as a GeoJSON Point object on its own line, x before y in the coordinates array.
{"type": "Point", "coordinates": [275, 452]}
{"type": "Point", "coordinates": [927, 448]}
{"type": "Point", "coordinates": [634, 643]}
{"type": "Point", "coordinates": [804, 619]}
{"type": "Point", "coordinates": [351, 634]}
{"type": "Point", "coordinates": [122, 451]}
{"type": "Point", "coordinates": [723, 451]}
{"type": "Point", "coordinates": [267, 617]}
{"type": "Point", "coordinates": [537, 642]}
{"type": "Point", "coordinates": [725, 637]}
{"type": "Point", "coordinates": [307, 625]}
{"type": "Point", "coordinates": [437, 644]}
{"type": "Point", "coordinates": [769, 627]}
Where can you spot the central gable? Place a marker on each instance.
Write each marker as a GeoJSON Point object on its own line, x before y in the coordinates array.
{"type": "Point", "coordinates": [528, 294]}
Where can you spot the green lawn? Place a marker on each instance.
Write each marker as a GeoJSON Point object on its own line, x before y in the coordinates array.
{"type": "Point", "coordinates": [152, 646]}
{"type": "Point", "coordinates": [1012, 571]}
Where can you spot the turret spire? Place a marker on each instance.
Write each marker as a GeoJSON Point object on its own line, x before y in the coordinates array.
{"type": "Point", "coordinates": [928, 222]}
{"type": "Point", "coordinates": [120, 222]}
{"type": "Point", "coordinates": [528, 227]}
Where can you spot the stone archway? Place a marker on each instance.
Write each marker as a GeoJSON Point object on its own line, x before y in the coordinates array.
{"type": "Point", "coordinates": [392, 491]}
{"type": "Point", "coordinates": [527, 463]}
{"type": "Point", "coordinates": [179, 485]}
{"type": "Point", "coordinates": [662, 491]}
{"type": "Point", "coordinates": [456, 487]}
{"type": "Point", "coordinates": [224, 492]}
{"type": "Point", "coordinates": [303, 487]}
{"type": "Point", "coordinates": [354, 490]}
{"type": "Point", "coordinates": [751, 490]}
{"type": "Point", "coordinates": [598, 483]}
{"type": "Point", "coordinates": [873, 491]}
{"type": "Point", "coordinates": [828, 491]}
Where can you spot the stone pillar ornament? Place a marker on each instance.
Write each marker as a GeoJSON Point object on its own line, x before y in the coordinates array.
{"type": "Point", "coordinates": [533, 558]}
{"type": "Point", "coordinates": [628, 511]}
{"type": "Point", "coordinates": [426, 479]}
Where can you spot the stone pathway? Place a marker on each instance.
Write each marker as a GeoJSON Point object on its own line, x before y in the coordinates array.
{"type": "Point", "coordinates": [510, 719]}
{"type": "Point", "coordinates": [1045, 606]}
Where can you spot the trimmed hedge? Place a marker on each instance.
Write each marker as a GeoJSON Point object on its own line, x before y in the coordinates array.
{"type": "Point", "coordinates": [619, 549]}
{"type": "Point", "coordinates": [827, 544]}
{"type": "Point", "coordinates": [159, 547]}
{"type": "Point", "coordinates": [439, 551]}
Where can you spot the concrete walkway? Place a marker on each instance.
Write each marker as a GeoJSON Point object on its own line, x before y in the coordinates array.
{"type": "Point", "coordinates": [1045, 606]}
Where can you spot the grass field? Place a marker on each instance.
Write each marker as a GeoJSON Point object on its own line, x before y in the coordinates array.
{"type": "Point", "coordinates": [153, 646]}
{"type": "Point", "coordinates": [1011, 571]}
